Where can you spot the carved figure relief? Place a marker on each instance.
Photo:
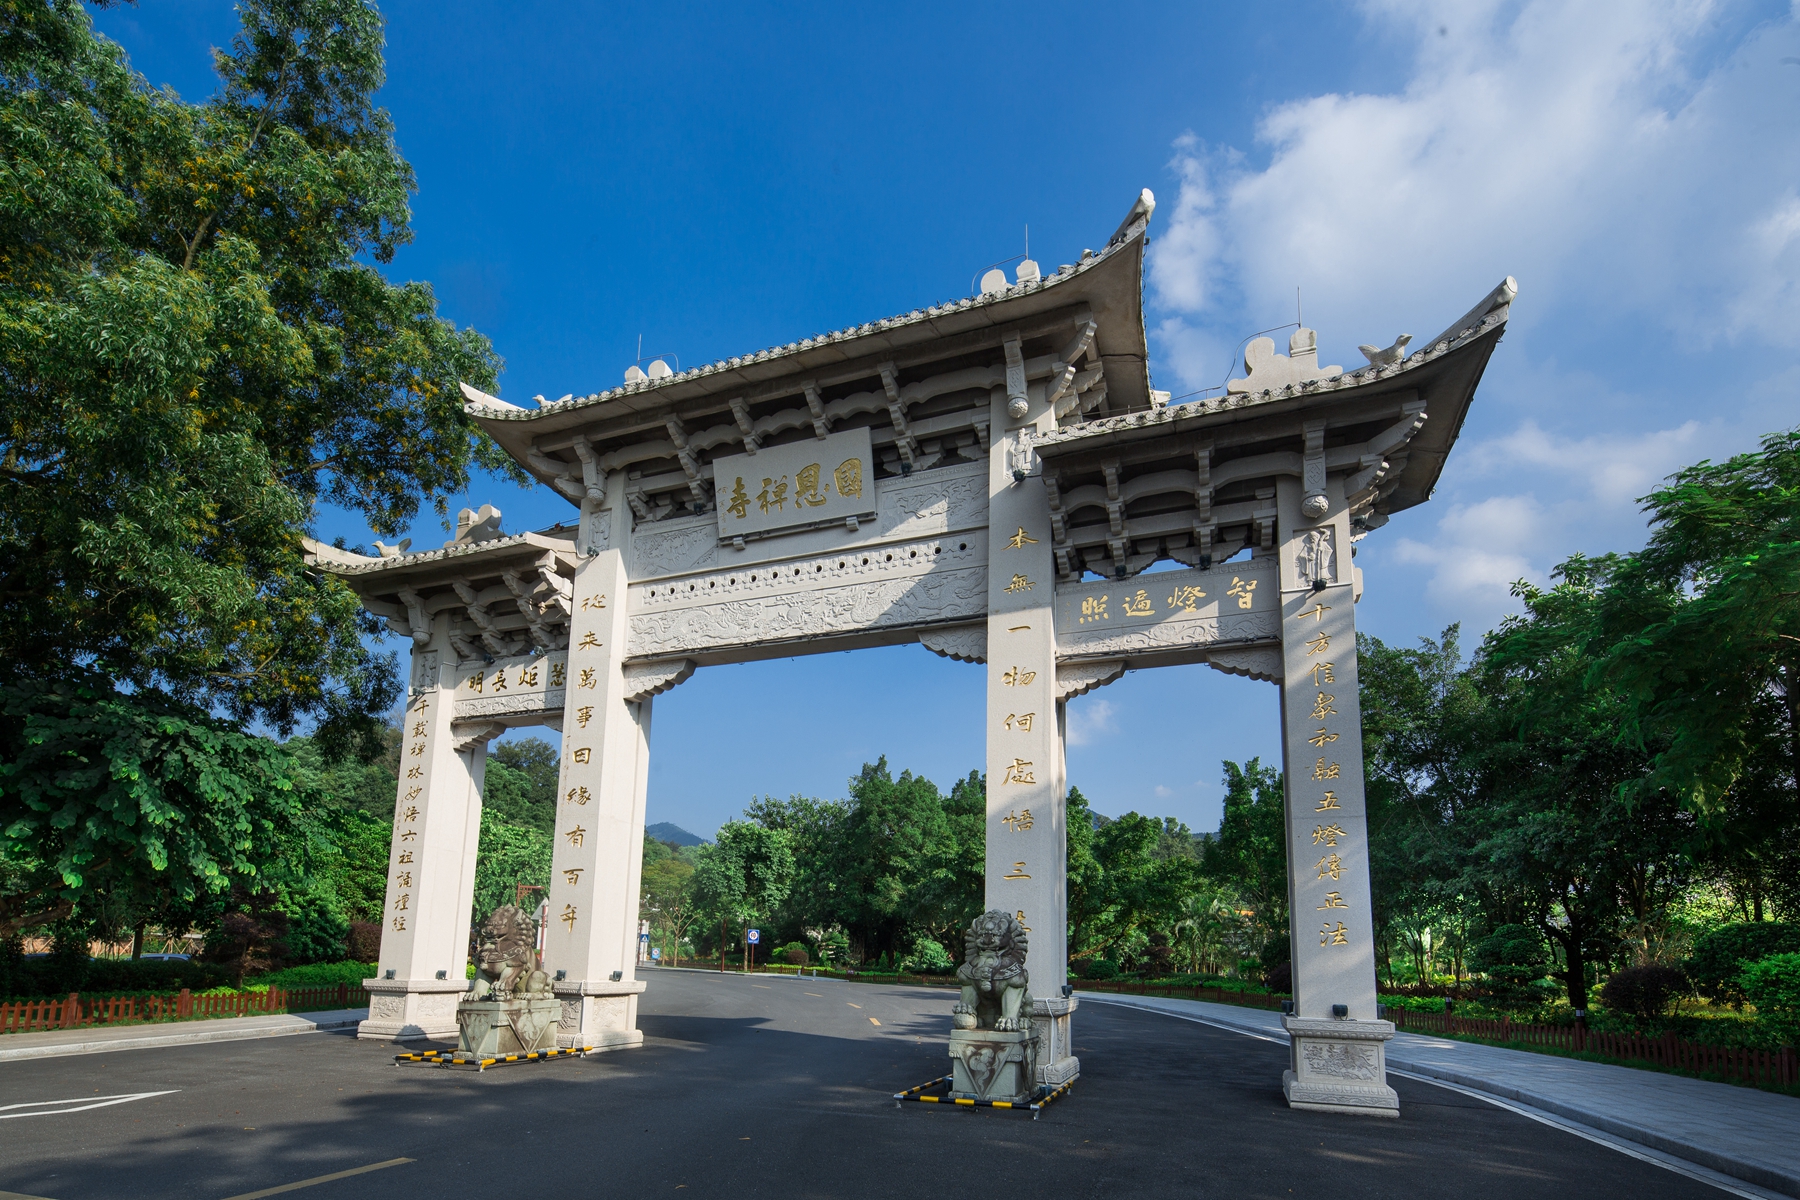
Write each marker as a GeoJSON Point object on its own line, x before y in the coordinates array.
{"type": "Point", "coordinates": [1340, 1060]}
{"type": "Point", "coordinates": [1315, 557]}
{"type": "Point", "coordinates": [506, 961]}
{"type": "Point", "coordinates": [674, 551]}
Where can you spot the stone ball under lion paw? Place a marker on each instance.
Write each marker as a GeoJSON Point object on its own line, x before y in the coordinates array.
{"type": "Point", "coordinates": [962, 1020]}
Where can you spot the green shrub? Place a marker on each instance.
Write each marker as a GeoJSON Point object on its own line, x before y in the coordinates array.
{"type": "Point", "coordinates": [1644, 992]}
{"type": "Point", "coordinates": [1513, 957]}
{"type": "Point", "coordinates": [319, 974]}
{"type": "Point", "coordinates": [1099, 968]}
{"type": "Point", "coordinates": [795, 954]}
{"type": "Point", "coordinates": [1720, 957]}
{"type": "Point", "coordinates": [317, 931]}
{"type": "Point", "coordinates": [1773, 985]}
{"type": "Point", "coordinates": [928, 957]}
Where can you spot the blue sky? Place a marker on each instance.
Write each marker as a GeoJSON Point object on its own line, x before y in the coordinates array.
{"type": "Point", "coordinates": [717, 179]}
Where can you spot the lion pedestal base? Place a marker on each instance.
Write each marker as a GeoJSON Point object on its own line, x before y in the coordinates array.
{"type": "Point", "coordinates": [599, 1015]}
{"type": "Point", "coordinates": [989, 1065]}
{"type": "Point", "coordinates": [412, 1010]}
{"type": "Point", "coordinates": [494, 1027]}
{"type": "Point", "coordinates": [1339, 1066]}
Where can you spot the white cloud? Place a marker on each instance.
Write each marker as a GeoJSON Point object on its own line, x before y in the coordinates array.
{"type": "Point", "coordinates": [1480, 549]}
{"type": "Point", "coordinates": [1615, 469]}
{"type": "Point", "coordinates": [1161, 790]}
{"type": "Point", "coordinates": [1090, 720]}
{"type": "Point", "coordinates": [1605, 154]}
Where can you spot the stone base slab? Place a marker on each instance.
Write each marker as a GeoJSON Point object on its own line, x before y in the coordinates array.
{"type": "Point", "coordinates": [1339, 1066]}
{"type": "Point", "coordinates": [987, 1064]}
{"type": "Point", "coordinates": [1051, 1025]}
{"type": "Point", "coordinates": [412, 1010]}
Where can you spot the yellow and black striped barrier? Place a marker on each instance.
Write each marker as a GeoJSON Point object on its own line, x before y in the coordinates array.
{"type": "Point", "coordinates": [1036, 1106]}
{"type": "Point", "coordinates": [456, 1058]}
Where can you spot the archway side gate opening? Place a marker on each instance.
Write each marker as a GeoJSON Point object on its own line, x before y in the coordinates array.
{"type": "Point", "coordinates": [990, 477]}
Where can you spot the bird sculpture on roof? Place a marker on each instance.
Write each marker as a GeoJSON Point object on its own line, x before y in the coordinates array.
{"type": "Point", "coordinates": [1389, 356]}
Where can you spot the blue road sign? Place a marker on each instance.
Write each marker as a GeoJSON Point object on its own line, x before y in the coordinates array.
{"type": "Point", "coordinates": [754, 936]}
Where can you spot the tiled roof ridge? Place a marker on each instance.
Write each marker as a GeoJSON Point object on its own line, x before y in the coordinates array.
{"type": "Point", "coordinates": [1310, 387]}
{"type": "Point", "coordinates": [453, 550]}
{"type": "Point", "coordinates": [1069, 271]}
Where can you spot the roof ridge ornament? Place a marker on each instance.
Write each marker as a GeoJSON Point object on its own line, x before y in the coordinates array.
{"type": "Point", "coordinates": [1265, 369]}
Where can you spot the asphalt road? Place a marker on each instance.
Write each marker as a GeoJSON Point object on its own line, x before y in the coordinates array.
{"type": "Point", "coordinates": [754, 1087]}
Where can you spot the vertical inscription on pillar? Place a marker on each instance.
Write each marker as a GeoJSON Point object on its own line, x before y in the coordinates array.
{"type": "Point", "coordinates": [1327, 829]}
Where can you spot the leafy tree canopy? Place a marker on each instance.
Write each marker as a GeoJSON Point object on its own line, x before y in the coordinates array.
{"type": "Point", "coordinates": [195, 348]}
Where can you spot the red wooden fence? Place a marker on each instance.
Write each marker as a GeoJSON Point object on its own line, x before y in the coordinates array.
{"type": "Point", "coordinates": [1778, 1067]}
{"type": "Point", "coordinates": [73, 1012]}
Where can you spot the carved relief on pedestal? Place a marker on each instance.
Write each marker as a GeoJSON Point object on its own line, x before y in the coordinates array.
{"type": "Point", "coordinates": [1340, 1060]}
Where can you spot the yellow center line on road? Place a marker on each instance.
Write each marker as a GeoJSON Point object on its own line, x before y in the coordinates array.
{"type": "Point", "coordinates": [306, 1183]}
{"type": "Point", "coordinates": [820, 995]}
{"type": "Point", "coordinates": [18, 1196]}
{"type": "Point", "coordinates": [765, 987]}
{"type": "Point", "coordinates": [853, 1005]}
{"type": "Point", "coordinates": [873, 1021]}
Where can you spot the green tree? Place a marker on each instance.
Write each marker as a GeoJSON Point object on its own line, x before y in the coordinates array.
{"type": "Point", "coordinates": [1250, 851]}
{"type": "Point", "coordinates": [667, 897]}
{"type": "Point", "coordinates": [520, 784]}
{"type": "Point", "coordinates": [897, 850]}
{"type": "Point", "coordinates": [195, 349]}
{"type": "Point", "coordinates": [509, 855]}
{"type": "Point", "coordinates": [743, 876]}
{"type": "Point", "coordinates": [141, 798]}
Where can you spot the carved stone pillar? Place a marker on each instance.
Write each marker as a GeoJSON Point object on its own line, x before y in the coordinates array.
{"type": "Point", "coordinates": [437, 822]}
{"type": "Point", "coordinates": [1339, 1061]}
{"type": "Point", "coordinates": [590, 947]}
{"type": "Point", "coordinates": [1026, 790]}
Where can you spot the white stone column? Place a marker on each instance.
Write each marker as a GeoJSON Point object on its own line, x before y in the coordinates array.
{"type": "Point", "coordinates": [1027, 855]}
{"type": "Point", "coordinates": [590, 947]}
{"type": "Point", "coordinates": [437, 821]}
{"type": "Point", "coordinates": [1339, 1056]}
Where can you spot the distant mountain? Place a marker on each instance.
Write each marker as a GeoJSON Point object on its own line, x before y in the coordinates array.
{"type": "Point", "coordinates": [664, 831]}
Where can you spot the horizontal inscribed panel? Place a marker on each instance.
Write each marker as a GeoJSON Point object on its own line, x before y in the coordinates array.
{"type": "Point", "coordinates": [531, 683]}
{"type": "Point", "coordinates": [1169, 609]}
{"type": "Point", "coordinates": [811, 482]}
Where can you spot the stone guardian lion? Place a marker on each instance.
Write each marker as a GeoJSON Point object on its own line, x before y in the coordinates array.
{"type": "Point", "coordinates": [506, 961]}
{"type": "Point", "coordinates": [993, 976]}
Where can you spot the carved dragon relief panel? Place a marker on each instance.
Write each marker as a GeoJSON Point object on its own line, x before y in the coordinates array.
{"type": "Point", "coordinates": [919, 598]}
{"type": "Point", "coordinates": [955, 499]}
{"type": "Point", "coordinates": [693, 546]}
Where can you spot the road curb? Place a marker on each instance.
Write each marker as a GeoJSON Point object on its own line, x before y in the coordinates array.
{"type": "Point", "coordinates": [1758, 1173]}
{"type": "Point", "coordinates": [233, 1032]}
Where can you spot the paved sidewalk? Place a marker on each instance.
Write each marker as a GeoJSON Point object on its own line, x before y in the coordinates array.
{"type": "Point", "coordinates": [1739, 1131]}
{"type": "Point", "coordinates": [52, 1043]}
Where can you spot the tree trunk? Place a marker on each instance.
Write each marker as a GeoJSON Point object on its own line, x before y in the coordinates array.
{"type": "Point", "coordinates": [137, 942]}
{"type": "Point", "coordinates": [721, 943]}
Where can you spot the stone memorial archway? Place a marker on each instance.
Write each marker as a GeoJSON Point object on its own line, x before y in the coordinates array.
{"type": "Point", "coordinates": [992, 477]}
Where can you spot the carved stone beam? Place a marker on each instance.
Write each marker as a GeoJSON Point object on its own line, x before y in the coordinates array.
{"type": "Point", "coordinates": [562, 473]}
{"type": "Point", "coordinates": [1312, 472]}
{"type": "Point", "coordinates": [1078, 679]}
{"type": "Point", "coordinates": [497, 643]}
{"type": "Point", "coordinates": [1018, 401]}
{"type": "Point", "coordinates": [903, 438]}
{"type": "Point", "coordinates": [459, 638]}
{"type": "Point", "coordinates": [1064, 369]}
{"type": "Point", "coordinates": [1118, 543]}
{"type": "Point", "coordinates": [653, 679]}
{"type": "Point", "coordinates": [1374, 464]}
{"type": "Point", "coordinates": [964, 643]}
{"type": "Point", "coordinates": [1205, 529]}
{"type": "Point", "coordinates": [981, 432]}
{"type": "Point", "coordinates": [741, 412]}
{"type": "Point", "coordinates": [1252, 662]}
{"type": "Point", "coordinates": [1264, 518]}
{"type": "Point", "coordinates": [689, 464]}
{"type": "Point", "coordinates": [821, 423]}
{"type": "Point", "coordinates": [416, 616]}
{"type": "Point", "coordinates": [1076, 391]}
{"type": "Point", "coordinates": [522, 595]}
{"type": "Point", "coordinates": [593, 474]}
{"type": "Point", "coordinates": [1066, 560]}
{"type": "Point", "coordinates": [470, 734]}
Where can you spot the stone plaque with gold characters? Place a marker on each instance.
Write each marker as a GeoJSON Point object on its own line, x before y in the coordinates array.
{"type": "Point", "coordinates": [816, 481]}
